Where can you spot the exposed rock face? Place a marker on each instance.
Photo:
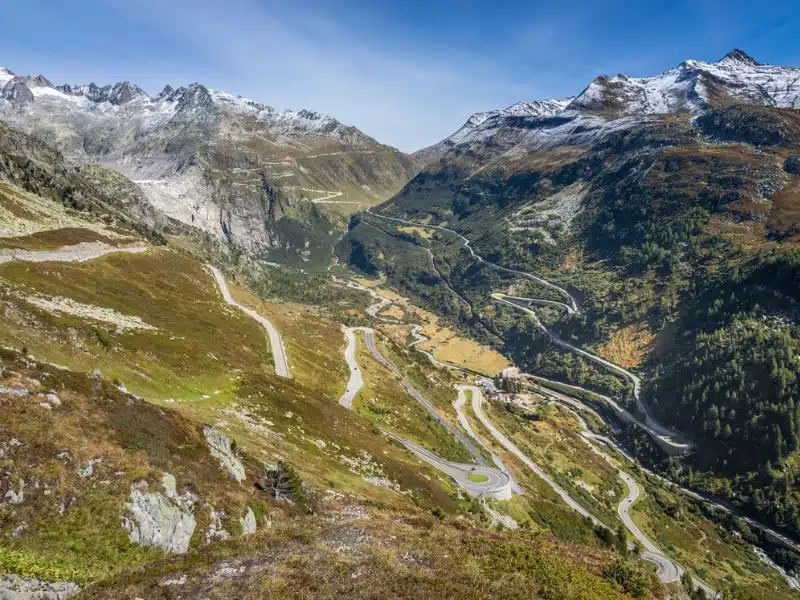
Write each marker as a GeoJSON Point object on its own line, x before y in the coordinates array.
{"type": "Point", "coordinates": [239, 171]}
{"type": "Point", "coordinates": [160, 520]}
{"type": "Point", "coordinates": [14, 587]}
{"type": "Point", "coordinates": [221, 447]}
{"type": "Point", "coordinates": [216, 529]}
{"type": "Point", "coordinates": [17, 93]}
{"type": "Point", "coordinates": [249, 525]}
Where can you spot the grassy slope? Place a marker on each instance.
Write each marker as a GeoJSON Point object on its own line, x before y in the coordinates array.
{"type": "Point", "coordinates": [716, 555]}
{"type": "Point", "coordinates": [209, 360]}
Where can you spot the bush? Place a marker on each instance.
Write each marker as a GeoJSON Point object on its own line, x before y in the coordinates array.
{"type": "Point", "coordinates": [629, 577]}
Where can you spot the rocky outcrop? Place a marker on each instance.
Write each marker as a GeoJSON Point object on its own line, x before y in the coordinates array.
{"type": "Point", "coordinates": [222, 448]}
{"type": "Point", "coordinates": [216, 529]}
{"type": "Point", "coordinates": [14, 587]}
{"type": "Point", "coordinates": [249, 525]}
{"type": "Point", "coordinates": [17, 93]}
{"type": "Point", "coordinates": [792, 164]}
{"type": "Point", "coordinates": [161, 520]}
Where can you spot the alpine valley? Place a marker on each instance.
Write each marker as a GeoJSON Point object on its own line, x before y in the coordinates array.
{"type": "Point", "coordinates": [276, 184]}
{"type": "Point", "coordinates": [248, 353]}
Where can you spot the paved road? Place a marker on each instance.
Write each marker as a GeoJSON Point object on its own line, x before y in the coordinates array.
{"type": "Point", "coordinates": [650, 425]}
{"type": "Point", "coordinates": [477, 401]}
{"type": "Point", "coordinates": [667, 570]}
{"type": "Point", "coordinates": [571, 306]}
{"type": "Point", "coordinates": [275, 341]}
{"type": "Point", "coordinates": [497, 484]}
{"type": "Point", "coordinates": [476, 455]}
{"type": "Point", "coordinates": [458, 404]}
{"type": "Point", "coordinates": [356, 381]}
{"type": "Point", "coordinates": [771, 533]}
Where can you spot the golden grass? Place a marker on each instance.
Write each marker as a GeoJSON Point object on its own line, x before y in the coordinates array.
{"type": "Point", "coordinates": [628, 347]}
{"type": "Point", "coordinates": [444, 343]}
{"type": "Point", "coordinates": [417, 231]}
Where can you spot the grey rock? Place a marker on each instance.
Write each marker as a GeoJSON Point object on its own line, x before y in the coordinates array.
{"type": "Point", "coordinates": [221, 448]}
{"type": "Point", "coordinates": [249, 525]}
{"type": "Point", "coordinates": [88, 470]}
{"type": "Point", "coordinates": [160, 520]}
{"type": "Point", "coordinates": [14, 587]}
{"type": "Point", "coordinates": [216, 530]}
{"type": "Point", "coordinates": [16, 92]}
{"type": "Point", "coordinates": [16, 497]}
{"type": "Point", "coordinates": [792, 164]}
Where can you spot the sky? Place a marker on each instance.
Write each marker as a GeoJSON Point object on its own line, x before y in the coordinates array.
{"type": "Point", "coordinates": [406, 72]}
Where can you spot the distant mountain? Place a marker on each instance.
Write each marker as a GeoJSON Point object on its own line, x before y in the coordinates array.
{"type": "Point", "coordinates": [669, 206]}
{"type": "Point", "coordinates": [276, 183]}
{"type": "Point", "coordinates": [612, 103]}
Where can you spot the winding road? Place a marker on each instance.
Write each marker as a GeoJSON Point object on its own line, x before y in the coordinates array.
{"type": "Point", "coordinates": [458, 405]}
{"type": "Point", "coordinates": [275, 340]}
{"type": "Point", "coordinates": [668, 571]}
{"type": "Point", "coordinates": [496, 484]}
{"type": "Point", "coordinates": [571, 306]}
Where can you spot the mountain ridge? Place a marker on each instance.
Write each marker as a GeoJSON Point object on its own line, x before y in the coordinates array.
{"type": "Point", "coordinates": [277, 184]}
{"type": "Point", "coordinates": [124, 92]}
{"type": "Point", "coordinates": [693, 86]}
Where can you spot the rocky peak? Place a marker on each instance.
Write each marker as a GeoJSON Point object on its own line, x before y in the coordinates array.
{"type": "Point", "coordinates": [35, 82]}
{"type": "Point", "coordinates": [17, 92]}
{"type": "Point", "coordinates": [737, 56]}
{"type": "Point", "coordinates": [310, 115]}
{"type": "Point", "coordinates": [94, 93]}
{"type": "Point", "coordinates": [195, 97]}
{"type": "Point", "coordinates": [166, 93]}
{"type": "Point", "coordinates": [122, 93]}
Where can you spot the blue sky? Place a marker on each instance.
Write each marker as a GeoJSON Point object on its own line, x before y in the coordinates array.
{"type": "Point", "coordinates": [407, 72]}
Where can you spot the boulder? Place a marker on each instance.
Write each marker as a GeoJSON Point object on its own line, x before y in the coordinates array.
{"type": "Point", "coordinates": [222, 448]}
{"type": "Point", "coordinates": [160, 520]}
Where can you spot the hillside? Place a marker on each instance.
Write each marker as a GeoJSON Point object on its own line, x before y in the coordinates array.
{"type": "Point", "coordinates": [144, 407]}
{"type": "Point", "coordinates": [183, 419]}
{"type": "Point", "coordinates": [666, 209]}
{"type": "Point", "coordinates": [277, 184]}
{"type": "Point", "coordinates": [151, 448]}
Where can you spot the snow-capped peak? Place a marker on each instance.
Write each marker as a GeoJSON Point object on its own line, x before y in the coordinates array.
{"type": "Point", "coordinates": [693, 86]}
{"type": "Point", "coordinates": [540, 108]}
{"type": "Point", "coordinates": [127, 103]}
{"type": "Point", "coordinates": [6, 75]}
{"type": "Point", "coordinates": [737, 56]}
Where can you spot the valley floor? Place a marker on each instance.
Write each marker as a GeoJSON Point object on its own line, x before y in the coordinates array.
{"type": "Point", "coordinates": [184, 403]}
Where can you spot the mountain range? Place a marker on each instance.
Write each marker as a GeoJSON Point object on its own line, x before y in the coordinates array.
{"type": "Point", "coordinates": [276, 184]}
{"type": "Point", "coordinates": [609, 104]}
{"type": "Point", "coordinates": [247, 352]}
{"type": "Point", "coordinates": [668, 208]}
